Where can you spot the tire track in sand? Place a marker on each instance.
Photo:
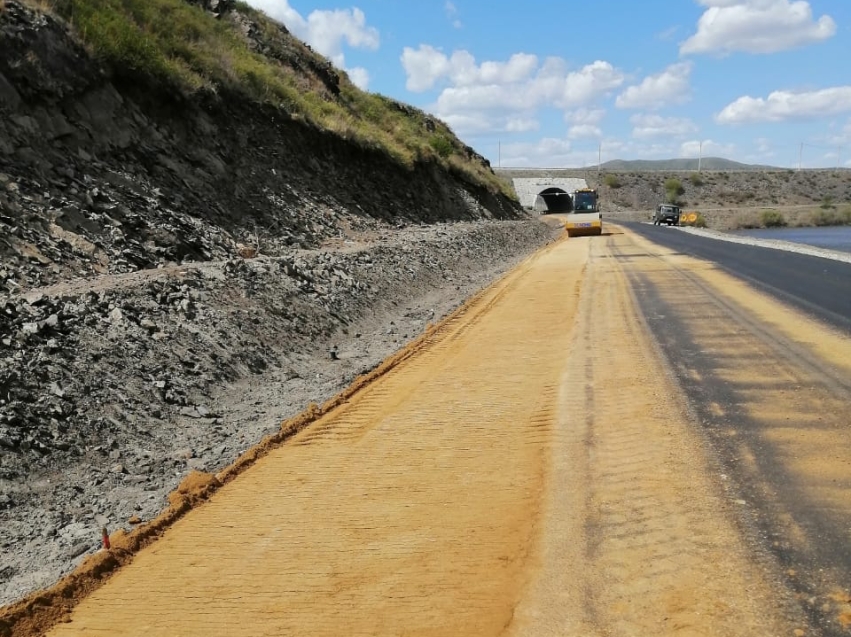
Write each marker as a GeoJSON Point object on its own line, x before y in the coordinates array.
{"type": "Point", "coordinates": [636, 539]}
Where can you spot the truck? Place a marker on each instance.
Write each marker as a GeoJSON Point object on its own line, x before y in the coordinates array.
{"type": "Point", "coordinates": [585, 218]}
{"type": "Point", "coordinates": [666, 213]}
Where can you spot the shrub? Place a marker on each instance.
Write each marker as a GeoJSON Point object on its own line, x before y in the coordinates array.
{"type": "Point", "coordinates": [673, 189]}
{"type": "Point", "coordinates": [827, 202]}
{"type": "Point", "coordinates": [831, 217]}
{"type": "Point", "coordinates": [442, 145]}
{"type": "Point", "coordinates": [772, 219]}
{"type": "Point", "coordinates": [696, 180]}
{"type": "Point", "coordinates": [612, 181]}
{"type": "Point", "coordinates": [746, 222]}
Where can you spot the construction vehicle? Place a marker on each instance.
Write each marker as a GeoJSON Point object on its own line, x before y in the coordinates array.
{"type": "Point", "coordinates": [585, 218]}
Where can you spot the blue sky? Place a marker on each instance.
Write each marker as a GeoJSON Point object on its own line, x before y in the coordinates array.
{"type": "Point", "coordinates": [546, 83]}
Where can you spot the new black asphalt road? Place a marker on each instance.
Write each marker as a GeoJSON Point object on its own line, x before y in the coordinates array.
{"type": "Point", "coordinates": [774, 409]}
{"type": "Point", "coordinates": [819, 286]}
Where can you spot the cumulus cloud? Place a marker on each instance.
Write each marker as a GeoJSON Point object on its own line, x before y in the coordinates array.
{"type": "Point", "coordinates": [327, 32]}
{"type": "Point", "coordinates": [426, 65]}
{"type": "Point", "coordinates": [584, 131]}
{"type": "Point", "coordinates": [646, 126]}
{"type": "Point", "coordinates": [503, 91]}
{"type": "Point", "coordinates": [709, 148]}
{"type": "Point", "coordinates": [757, 26]}
{"type": "Point", "coordinates": [785, 105]}
{"type": "Point", "coordinates": [671, 86]}
{"type": "Point", "coordinates": [585, 116]}
{"type": "Point", "coordinates": [585, 123]}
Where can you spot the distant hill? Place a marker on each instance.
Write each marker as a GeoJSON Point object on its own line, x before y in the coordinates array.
{"type": "Point", "coordinates": [707, 163]}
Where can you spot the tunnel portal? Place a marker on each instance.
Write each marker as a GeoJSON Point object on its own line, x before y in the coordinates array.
{"type": "Point", "coordinates": [553, 200]}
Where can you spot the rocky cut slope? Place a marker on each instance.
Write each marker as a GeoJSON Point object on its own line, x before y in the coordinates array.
{"type": "Point", "coordinates": [186, 239]}
{"type": "Point", "coordinates": [136, 156]}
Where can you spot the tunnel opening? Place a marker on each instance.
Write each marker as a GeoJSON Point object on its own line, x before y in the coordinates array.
{"type": "Point", "coordinates": [553, 200]}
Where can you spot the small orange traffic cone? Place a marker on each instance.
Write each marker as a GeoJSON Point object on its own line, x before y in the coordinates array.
{"type": "Point", "coordinates": [105, 536]}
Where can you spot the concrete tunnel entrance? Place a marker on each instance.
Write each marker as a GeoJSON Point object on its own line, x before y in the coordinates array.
{"type": "Point", "coordinates": [552, 201]}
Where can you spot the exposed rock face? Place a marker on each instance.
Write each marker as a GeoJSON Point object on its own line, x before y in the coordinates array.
{"type": "Point", "coordinates": [134, 172]}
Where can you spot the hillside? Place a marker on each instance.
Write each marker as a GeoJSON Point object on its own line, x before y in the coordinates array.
{"type": "Point", "coordinates": [637, 190]}
{"type": "Point", "coordinates": [707, 163]}
{"type": "Point", "coordinates": [150, 119]}
{"type": "Point", "coordinates": [642, 190]}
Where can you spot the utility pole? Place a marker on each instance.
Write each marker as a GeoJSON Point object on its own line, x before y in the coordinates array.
{"type": "Point", "coordinates": [599, 159]}
{"type": "Point", "coordinates": [700, 156]}
{"type": "Point", "coordinates": [500, 154]}
{"type": "Point", "coordinates": [801, 157]}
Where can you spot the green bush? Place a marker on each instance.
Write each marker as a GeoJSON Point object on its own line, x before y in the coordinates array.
{"type": "Point", "coordinates": [673, 190]}
{"type": "Point", "coordinates": [772, 219]}
{"type": "Point", "coordinates": [612, 181]}
{"type": "Point", "coordinates": [827, 202]}
{"type": "Point", "coordinates": [696, 180]}
{"type": "Point", "coordinates": [442, 145]}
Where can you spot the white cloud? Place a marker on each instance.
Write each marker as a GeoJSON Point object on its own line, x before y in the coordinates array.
{"type": "Point", "coordinates": [671, 86]}
{"type": "Point", "coordinates": [757, 26]}
{"type": "Point", "coordinates": [423, 66]}
{"type": "Point", "coordinates": [709, 149]}
{"type": "Point", "coordinates": [359, 77]}
{"type": "Point", "coordinates": [585, 123]}
{"type": "Point", "coordinates": [327, 32]}
{"type": "Point", "coordinates": [521, 124]}
{"type": "Point", "coordinates": [426, 65]}
{"type": "Point", "coordinates": [588, 83]}
{"type": "Point", "coordinates": [646, 126]}
{"type": "Point", "coordinates": [545, 152]}
{"type": "Point", "coordinates": [580, 131]}
{"type": "Point", "coordinates": [452, 14]}
{"type": "Point", "coordinates": [584, 116]}
{"type": "Point", "coordinates": [785, 105]}
{"type": "Point", "coordinates": [503, 92]}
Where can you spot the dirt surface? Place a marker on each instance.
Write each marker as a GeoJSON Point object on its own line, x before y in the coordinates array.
{"type": "Point", "coordinates": [114, 388]}
{"type": "Point", "coordinates": [533, 469]}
